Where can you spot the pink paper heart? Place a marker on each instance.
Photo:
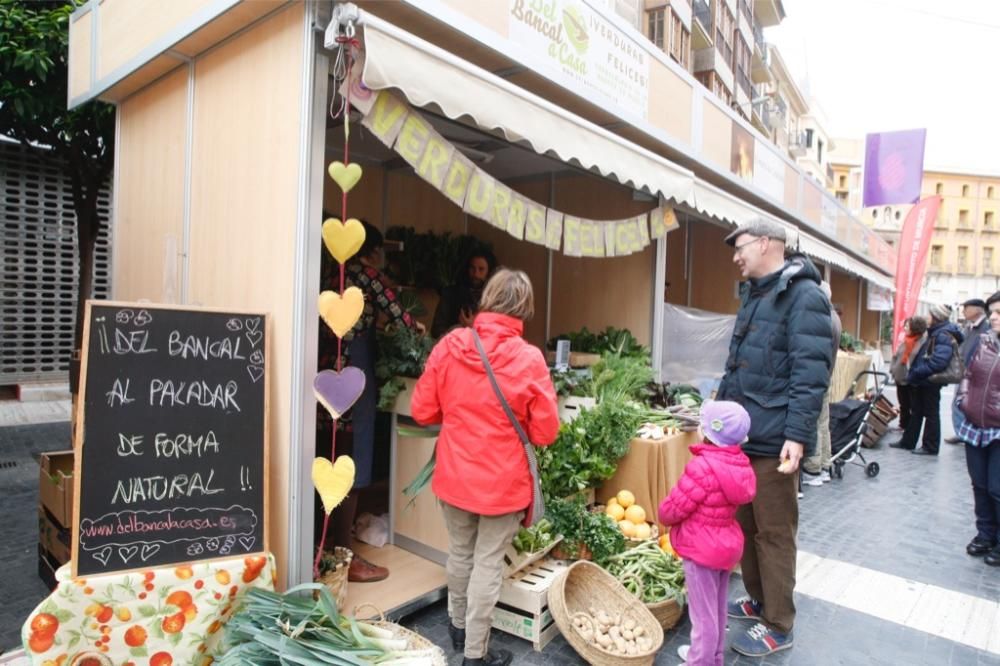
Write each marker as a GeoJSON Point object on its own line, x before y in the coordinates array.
{"type": "Point", "coordinates": [339, 391]}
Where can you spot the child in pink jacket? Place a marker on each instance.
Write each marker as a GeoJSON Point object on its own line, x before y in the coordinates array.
{"type": "Point", "coordinates": [701, 510]}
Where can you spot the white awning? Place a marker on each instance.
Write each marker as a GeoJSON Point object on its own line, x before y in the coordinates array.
{"type": "Point", "coordinates": [428, 75]}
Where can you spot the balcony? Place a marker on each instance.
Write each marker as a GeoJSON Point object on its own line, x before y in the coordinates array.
{"type": "Point", "coordinates": [829, 176]}
{"type": "Point", "coordinates": [743, 82]}
{"type": "Point", "coordinates": [760, 69]}
{"type": "Point", "coordinates": [761, 116]}
{"type": "Point", "coordinates": [798, 144]}
{"type": "Point", "coordinates": [769, 12]}
{"type": "Point", "coordinates": [990, 229]}
{"type": "Point", "coordinates": [724, 49]}
{"type": "Point", "coordinates": [701, 26]}
{"type": "Point", "coordinates": [744, 8]}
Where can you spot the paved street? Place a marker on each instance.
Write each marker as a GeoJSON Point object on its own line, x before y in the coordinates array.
{"type": "Point", "coordinates": [883, 576]}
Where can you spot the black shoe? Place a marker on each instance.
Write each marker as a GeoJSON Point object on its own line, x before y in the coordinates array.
{"type": "Point", "coordinates": [457, 637]}
{"type": "Point", "coordinates": [953, 440]}
{"type": "Point", "coordinates": [493, 658]}
{"type": "Point", "coordinates": [923, 452]}
{"type": "Point", "coordinates": [993, 557]}
{"type": "Point", "coordinates": [900, 445]}
{"type": "Point", "coordinates": [979, 547]}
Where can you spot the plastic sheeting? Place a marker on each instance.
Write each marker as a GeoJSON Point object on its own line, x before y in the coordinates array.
{"type": "Point", "coordinates": [695, 346]}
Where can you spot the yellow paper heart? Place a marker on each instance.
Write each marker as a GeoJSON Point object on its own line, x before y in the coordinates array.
{"type": "Point", "coordinates": [333, 480]}
{"type": "Point", "coordinates": [343, 240]}
{"type": "Point", "coordinates": [346, 176]}
{"type": "Point", "coordinates": [341, 313]}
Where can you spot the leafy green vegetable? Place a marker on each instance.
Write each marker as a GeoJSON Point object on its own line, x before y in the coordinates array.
{"type": "Point", "coordinates": [620, 378]}
{"type": "Point", "coordinates": [402, 352]}
{"type": "Point", "coordinates": [535, 538]}
{"type": "Point", "coordinates": [597, 531]}
{"type": "Point", "coordinates": [602, 536]}
{"type": "Point", "coordinates": [612, 340]}
{"type": "Point", "coordinates": [660, 574]}
{"type": "Point", "coordinates": [587, 451]}
{"type": "Point", "coordinates": [572, 382]}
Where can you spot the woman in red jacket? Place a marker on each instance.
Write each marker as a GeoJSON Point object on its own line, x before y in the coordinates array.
{"type": "Point", "coordinates": [481, 473]}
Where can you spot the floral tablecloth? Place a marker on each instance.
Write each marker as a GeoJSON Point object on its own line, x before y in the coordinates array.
{"type": "Point", "coordinates": [158, 617]}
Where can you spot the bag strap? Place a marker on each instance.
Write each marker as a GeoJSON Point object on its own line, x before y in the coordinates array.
{"type": "Point", "coordinates": [529, 450]}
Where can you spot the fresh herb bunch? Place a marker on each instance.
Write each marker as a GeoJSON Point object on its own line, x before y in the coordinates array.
{"type": "Point", "coordinates": [609, 341]}
{"type": "Point", "coordinates": [570, 518]}
{"type": "Point", "coordinates": [402, 352]}
{"type": "Point", "coordinates": [618, 378]}
{"type": "Point", "coordinates": [602, 536]}
{"type": "Point", "coordinates": [535, 538]}
{"type": "Point", "coordinates": [587, 451]}
{"type": "Point", "coordinates": [571, 382]}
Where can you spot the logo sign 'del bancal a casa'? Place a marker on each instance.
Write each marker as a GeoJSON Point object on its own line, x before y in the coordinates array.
{"type": "Point", "coordinates": [586, 45]}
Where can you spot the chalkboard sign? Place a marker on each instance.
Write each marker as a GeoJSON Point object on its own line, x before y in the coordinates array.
{"type": "Point", "coordinates": [172, 446]}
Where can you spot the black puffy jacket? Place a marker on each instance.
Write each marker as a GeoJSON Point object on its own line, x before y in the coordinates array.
{"type": "Point", "coordinates": [780, 357]}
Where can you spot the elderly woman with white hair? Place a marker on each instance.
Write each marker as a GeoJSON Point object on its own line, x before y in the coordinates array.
{"type": "Point", "coordinates": [816, 468]}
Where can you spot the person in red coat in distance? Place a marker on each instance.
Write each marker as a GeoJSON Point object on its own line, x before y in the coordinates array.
{"type": "Point", "coordinates": [702, 512]}
{"type": "Point", "coordinates": [481, 474]}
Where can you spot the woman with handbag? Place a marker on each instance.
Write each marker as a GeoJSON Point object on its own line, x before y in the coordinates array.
{"type": "Point", "coordinates": [492, 394]}
{"type": "Point", "coordinates": [977, 423]}
{"type": "Point", "coordinates": [915, 329]}
{"type": "Point", "coordinates": [934, 360]}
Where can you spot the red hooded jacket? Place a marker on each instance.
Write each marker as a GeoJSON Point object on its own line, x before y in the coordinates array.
{"type": "Point", "coordinates": [481, 466]}
{"type": "Point", "coordinates": [702, 506]}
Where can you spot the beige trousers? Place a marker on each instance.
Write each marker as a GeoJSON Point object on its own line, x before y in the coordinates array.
{"type": "Point", "coordinates": [820, 460]}
{"type": "Point", "coordinates": [475, 570]}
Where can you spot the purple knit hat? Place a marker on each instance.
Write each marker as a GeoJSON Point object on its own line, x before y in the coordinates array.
{"type": "Point", "coordinates": [724, 423]}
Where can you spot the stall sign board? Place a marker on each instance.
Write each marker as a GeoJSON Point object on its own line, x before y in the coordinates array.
{"type": "Point", "coordinates": [171, 440]}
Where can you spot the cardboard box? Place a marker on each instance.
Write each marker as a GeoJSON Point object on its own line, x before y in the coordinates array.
{"type": "Point", "coordinates": [54, 538]}
{"type": "Point", "coordinates": [523, 607]}
{"type": "Point", "coordinates": [55, 485]}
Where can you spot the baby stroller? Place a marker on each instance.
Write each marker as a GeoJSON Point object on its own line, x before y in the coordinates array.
{"type": "Point", "coordinates": [848, 425]}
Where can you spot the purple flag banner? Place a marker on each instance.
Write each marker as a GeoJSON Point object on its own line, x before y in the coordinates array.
{"type": "Point", "coordinates": [894, 167]}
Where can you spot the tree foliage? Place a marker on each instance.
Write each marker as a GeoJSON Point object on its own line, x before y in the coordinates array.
{"type": "Point", "coordinates": [34, 46]}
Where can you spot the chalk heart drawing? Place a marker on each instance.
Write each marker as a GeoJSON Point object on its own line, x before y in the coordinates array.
{"type": "Point", "coordinates": [338, 391]}
{"type": "Point", "coordinates": [254, 337]}
{"type": "Point", "coordinates": [253, 325]}
{"type": "Point", "coordinates": [343, 240]}
{"type": "Point", "coordinates": [234, 325]}
{"type": "Point", "coordinates": [247, 542]}
{"type": "Point", "coordinates": [148, 551]}
{"type": "Point", "coordinates": [102, 555]}
{"type": "Point", "coordinates": [341, 313]}
{"type": "Point", "coordinates": [346, 176]}
{"type": "Point", "coordinates": [127, 553]}
{"type": "Point", "coordinates": [256, 372]}
{"type": "Point", "coordinates": [333, 480]}
{"type": "Point", "coordinates": [257, 358]}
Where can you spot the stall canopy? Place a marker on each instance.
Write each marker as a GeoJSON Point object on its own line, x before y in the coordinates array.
{"type": "Point", "coordinates": [430, 76]}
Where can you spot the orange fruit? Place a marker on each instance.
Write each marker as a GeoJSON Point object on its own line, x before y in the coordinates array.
{"type": "Point", "coordinates": [39, 643]}
{"type": "Point", "coordinates": [190, 612]}
{"type": "Point", "coordinates": [184, 572]}
{"type": "Point", "coordinates": [180, 598]}
{"type": "Point", "coordinates": [173, 623]}
{"type": "Point", "coordinates": [161, 659]}
{"type": "Point", "coordinates": [106, 613]}
{"type": "Point", "coordinates": [635, 514]}
{"type": "Point", "coordinates": [135, 636]}
{"type": "Point", "coordinates": [257, 562]}
{"type": "Point", "coordinates": [222, 577]}
{"type": "Point", "coordinates": [44, 624]}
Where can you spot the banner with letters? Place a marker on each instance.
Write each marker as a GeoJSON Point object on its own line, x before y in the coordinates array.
{"type": "Point", "coordinates": [913, 247]}
{"type": "Point", "coordinates": [479, 194]}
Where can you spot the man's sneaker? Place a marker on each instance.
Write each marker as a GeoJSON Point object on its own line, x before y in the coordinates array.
{"type": "Point", "coordinates": [744, 608]}
{"type": "Point", "coordinates": [759, 641]}
{"type": "Point", "coordinates": [812, 479]}
{"type": "Point", "coordinates": [824, 476]}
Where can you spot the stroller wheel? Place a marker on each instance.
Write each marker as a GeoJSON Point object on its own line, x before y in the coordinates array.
{"type": "Point", "coordinates": [838, 469]}
{"type": "Point", "coordinates": [872, 469]}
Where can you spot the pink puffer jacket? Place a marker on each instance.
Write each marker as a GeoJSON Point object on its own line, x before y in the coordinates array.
{"type": "Point", "coordinates": [702, 506]}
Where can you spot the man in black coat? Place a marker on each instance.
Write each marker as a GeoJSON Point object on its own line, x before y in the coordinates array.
{"type": "Point", "coordinates": [778, 368]}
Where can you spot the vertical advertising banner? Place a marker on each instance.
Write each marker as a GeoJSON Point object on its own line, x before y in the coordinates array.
{"type": "Point", "coordinates": [894, 167]}
{"type": "Point", "coordinates": [913, 246]}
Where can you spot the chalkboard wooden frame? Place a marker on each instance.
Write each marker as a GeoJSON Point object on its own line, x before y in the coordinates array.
{"type": "Point", "coordinates": [79, 434]}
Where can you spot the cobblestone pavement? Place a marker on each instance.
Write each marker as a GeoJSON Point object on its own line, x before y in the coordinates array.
{"type": "Point", "coordinates": [910, 524]}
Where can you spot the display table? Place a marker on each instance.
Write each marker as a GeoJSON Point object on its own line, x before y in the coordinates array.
{"type": "Point", "coordinates": [650, 470]}
{"type": "Point", "coordinates": [162, 617]}
{"type": "Point", "coordinates": [849, 364]}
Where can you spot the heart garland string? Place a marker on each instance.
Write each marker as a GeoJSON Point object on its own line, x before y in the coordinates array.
{"type": "Point", "coordinates": [338, 390]}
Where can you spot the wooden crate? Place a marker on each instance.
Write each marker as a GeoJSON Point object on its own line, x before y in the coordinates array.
{"type": "Point", "coordinates": [523, 607]}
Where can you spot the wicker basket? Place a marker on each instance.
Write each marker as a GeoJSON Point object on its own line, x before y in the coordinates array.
{"type": "Point", "coordinates": [666, 612]}
{"type": "Point", "coordinates": [585, 584]}
{"type": "Point", "coordinates": [336, 579]}
{"type": "Point", "coordinates": [414, 641]}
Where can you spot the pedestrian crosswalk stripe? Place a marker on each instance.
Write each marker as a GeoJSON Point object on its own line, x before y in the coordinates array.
{"type": "Point", "coordinates": [955, 616]}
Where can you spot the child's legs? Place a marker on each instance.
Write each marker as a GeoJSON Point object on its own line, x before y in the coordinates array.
{"type": "Point", "coordinates": [707, 627]}
{"type": "Point", "coordinates": [722, 599]}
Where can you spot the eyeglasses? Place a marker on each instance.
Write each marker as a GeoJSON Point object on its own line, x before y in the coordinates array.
{"type": "Point", "coordinates": [739, 248]}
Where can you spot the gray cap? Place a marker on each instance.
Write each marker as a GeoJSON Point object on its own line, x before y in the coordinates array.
{"type": "Point", "coordinates": [760, 227]}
